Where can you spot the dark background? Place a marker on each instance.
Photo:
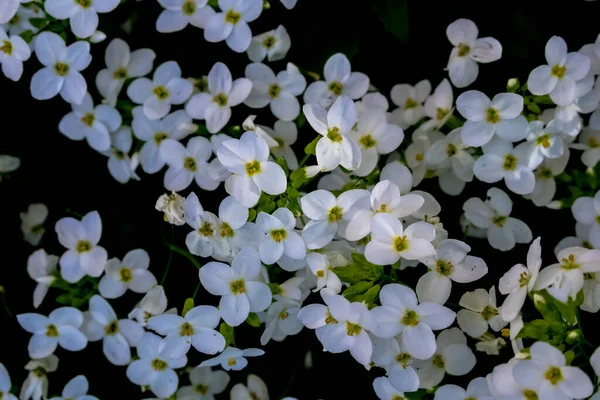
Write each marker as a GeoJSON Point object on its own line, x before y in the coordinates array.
{"type": "Point", "coordinates": [69, 175]}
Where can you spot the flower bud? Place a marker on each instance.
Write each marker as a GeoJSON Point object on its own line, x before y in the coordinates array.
{"type": "Point", "coordinates": [97, 37]}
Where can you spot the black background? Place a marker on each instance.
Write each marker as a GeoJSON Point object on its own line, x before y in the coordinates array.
{"type": "Point", "coordinates": [69, 175]}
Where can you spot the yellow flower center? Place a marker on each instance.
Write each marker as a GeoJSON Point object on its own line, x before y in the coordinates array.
{"type": "Point", "coordinates": [231, 362]}
{"type": "Point", "coordinates": [283, 315]}
{"type": "Point", "coordinates": [410, 103]}
{"type": "Point", "coordinates": [274, 91]}
{"type": "Point", "coordinates": [278, 235]}
{"type": "Point", "coordinates": [400, 243]}
{"type": "Point", "coordinates": [554, 375]}
{"type": "Point", "coordinates": [510, 162]}
{"type": "Point", "coordinates": [161, 92]}
{"type": "Point", "coordinates": [112, 328]}
{"type": "Point", "coordinates": [367, 141]}
{"type": "Point", "coordinates": [543, 141]}
{"type": "Point", "coordinates": [206, 229]}
{"type": "Point", "coordinates": [119, 154]}
{"type": "Point", "coordinates": [237, 287]}
{"type": "Point", "coordinates": [83, 246]}
{"type": "Point", "coordinates": [524, 279]}
{"type": "Point", "coordinates": [419, 157]}
{"type": "Point", "coordinates": [125, 275]}
{"type": "Point", "coordinates": [444, 267]}
{"type": "Point", "coordinates": [226, 230]}
{"type": "Point", "coordinates": [61, 69]}
{"type": "Point", "coordinates": [559, 71]}
{"type": "Point", "coordinates": [353, 329]}
{"type": "Point", "coordinates": [463, 49]}
{"type": "Point", "coordinates": [451, 150]}
{"type": "Point", "coordinates": [492, 116]}
{"type": "Point", "coordinates": [120, 73]}
{"type": "Point", "coordinates": [438, 361]}
{"type": "Point", "coordinates": [190, 164]}
{"type": "Point", "coordinates": [329, 318]}
{"type": "Point", "coordinates": [499, 220]}
{"type": "Point", "coordinates": [334, 135]}
{"type": "Point", "coordinates": [404, 359]}
{"type": "Point", "coordinates": [159, 365]}
{"type": "Point", "coordinates": [569, 263]}
{"type": "Point", "coordinates": [88, 119]}
{"type": "Point", "coordinates": [232, 17]}
{"type": "Point", "coordinates": [410, 318]}
{"type": "Point", "coordinates": [336, 87]}
{"type": "Point", "coordinates": [6, 47]}
{"type": "Point", "coordinates": [253, 168]}
{"type": "Point", "coordinates": [84, 3]}
{"type": "Point", "coordinates": [200, 388]}
{"type": "Point", "coordinates": [269, 42]}
{"type": "Point", "coordinates": [335, 214]}
{"type": "Point", "coordinates": [51, 331]}
{"type": "Point", "coordinates": [530, 395]}
{"type": "Point", "coordinates": [441, 113]}
{"type": "Point", "coordinates": [489, 312]}
{"type": "Point", "coordinates": [220, 99]}
{"type": "Point", "coordinates": [188, 7]}
{"type": "Point", "coordinates": [320, 273]}
{"type": "Point", "coordinates": [593, 143]}
{"type": "Point", "coordinates": [159, 137]}
{"type": "Point", "coordinates": [186, 329]}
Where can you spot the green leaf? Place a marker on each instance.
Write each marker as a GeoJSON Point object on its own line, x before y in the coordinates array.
{"type": "Point", "coordinates": [359, 270]}
{"type": "Point", "coordinates": [283, 164]}
{"type": "Point", "coordinates": [301, 120]}
{"type": "Point", "coordinates": [228, 334]}
{"type": "Point", "coordinates": [27, 35]}
{"type": "Point", "coordinates": [534, 108]}
{"type": "Point", "coordinates": [281, 203]}
{"type": "Point", "coordinates": [64, 298]}
{"type": "Point", "coordinates": [355, 290]}
{"type": "Point", "coordinates": [251, 214]}
{"type": "Point", "coordinates": [569, 356]}
{"type": "Point", "coordinates": [268, 207]}
{"type": "Point", "coordinates": [369, 296]}
{"type": "Point", "coordinates": [394, 16]}
{"type": "Point", "coordinates": [298, 178]}
{"type": "Point", "coordinates": [541, 329]}
{"type": "Point", "coordinates": [187, 306]}
{"type": "Point", "coordinates": [551, 307]}
{"type": "Point", "coordinates": [253, 320]}
{"type": "Point", "coordinates": [418, 395]}
{"type": "Point", "coordinates": [311, 148]}
{"type": "Point", "coordinates": [39, 23]}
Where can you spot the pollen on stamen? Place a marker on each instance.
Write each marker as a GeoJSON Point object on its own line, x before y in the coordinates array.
{"type": "Point", "coordinates": [253, 168]}
{"type": "Point", "coordinates": [7, 47]}
{"type": "Point", "coordinates": [190, 164]}
{"type": "Point", "coordinates": [61, 69]}
{"type": "Point", "coordinates": [334, 135]}
{"type": "Point", "coordinates": [335, 214]}
{"type": "Point", "coordinates": [161, 92]}
{"type": "Point", "coordinates": [232, 17]}
{"type": "Point", "coordinates": [88, 119]}
{"type": "Point", "coordinates": [238, 286]}
{"type": "Point", "coordinates": [274, 91]}
{"type": "Point", "coordinates": [492, 116]}
{"type": "Point", "coordinates": [159, 137]}
{"type": "Point", "coordinates": [125, 275]}
{"type": "Point", "coordinates": [278, 235]}
{"type": "Point", "coordinates": [221, 99]}
{"type": "Point", "coordinates": [559, 71]}
{"type": "Point", "coordinates": [463, 49]}
{"type": "Point", "coordinates": [269, 42]}
{"type": "Point", "coordinates": [400, 243]}
{"type": "Point", "coordinates": [367, 141]}
{"type": "Point", "coordinates": [336, 87]}
{"type": "Point", "coordinates": [410, 103]}
{"type": "Point", "coordinates": [510, 162]}
{"type": "Point", "coordinates": [83, 246]}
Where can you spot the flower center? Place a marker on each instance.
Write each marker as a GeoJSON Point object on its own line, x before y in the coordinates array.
{"type": "Point", "coordinates": [569, 263]}
{"type": "Point", "coordinates": [283, 315]}
{"type": "Point", "coordinates": [220, 99]}
{"type": "Point", "coordinates": [186, 329]}
{"type": "Point", "coordinates": [492, 115]}
{"type": "Point", "coordinates": [120, 73]}
{"type": "Point", "coordinates": [161, 92]}
{"type": "Point", "coordinates": [451, 150]}
{"type": "Point", "coordinates": [404, 359]}
{"type": "Point", "coordinates": [280, 142]}
{"type": "Point", "coordinates": [51, 331]}
{"type": "Point", "coordinates": [334, 135]}
{"type": "Point", "coordinates": [543, 141]}
{"type": "Point", "coordinates": [463, 49]}
{"type": "Point", "coordinates": [269, 42]}
{"type": "Point", "coordinates": [335, 214]}
{"type": "Point", "coordinates": [352, 329]}
{"type": "Point", "coordinates": [88, 119]}
{"type": "Point", "coordinates": [61, 69]}
{"type": "Point", "coordinates": [189, 7]}
{"type": "Point", "coordinates": [383, 208]}
{"type": "Point", "coordinates": [367, 141]}
{"type": "Point", "coordinates": [159, 365]}
{"type": "Point", "coordinates": [159, 137]}
{"type": "Point", "coordinates": [125, 274]}
{"type": "Point", "coordinates": [489, 312]}
{"type": "Point", "coordinates": [274, 91]}
{"type": "Point", "coordinates": [206, 229]}
{"type": "Point", "coordinates": [410, 103]}
{"type": "Point", "coordinates": [336, 87]}
{"type": "Point", "coordinates": [253, 168]}
{"type": "Point", "coordinates": [238, 287]}
{"type": "Point", "coordinates": [444, 267]}
{"type": "Point", "coordinates": [112, 328]}
{"type": "Point", "coordinates": [226, 230]}
{"type": "Point", "coordinates": [329, 318]}
{"type": "Point", "coordinates": [499, 220]}
{"type": "Point", "coordinates": [320, 273]}
{"type": "Point", "coordinates": [559, 71]}
{"type": "Point", "coordinates": [530, 395]}
{"type": "Point", "coordinates": [6, 47]}
{"type": "Point", "coordinates": [510, 162]}
{"type": "Point", "coordinates": [593, 143]}
{"type": "Point", "coordinates": [14, 21]}
{"type": "Point", "coordinates": [441, 113]}
{"type": "Point", "coordinates": [231, 362]}
{"type": "Point", "coordinates": [410, 318]}
{"type": "Point", "coordinates": [544, 173]}
{"type": "Point", "coordinates": [200, 388]}
{"type": "Point", "coordinates": [554, 375]}
{"type": "Point", "coordinates": [524, 279]}
{"type": "Point", "coordinates": [190, 164]}
{"type": "Point", "coordinates": [438, 361]}
{"type": "Point", "coordinates": [84, 3]}
{"type": "Point", "coordinates": [419, 157]}
{"type": "Point", "coordinates": [119, 154]}
{"type": "Point", "coordinates": [278, 235]}
{"type": "Point", "coordinates": [232, 17]}
{"type": "Point", "coordinates": [400, 243]}
{"type": "Point", "coordinates": [83, 246]}
{"type": "Point", "coordinates": [40, 372]}
{"type": "Point", "coordinates": [37, 228]}
{"type": "Point", "coordinates": [589, 276]}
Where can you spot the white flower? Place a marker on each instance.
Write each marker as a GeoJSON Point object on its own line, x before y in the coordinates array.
{"type": "Point", "coordinates": [179, 13]}
{"type": "Point", "coordinates": [255, 390]}
{"type": "Point", "coordinates": [589, 142]}
{"type": "Point", "coordinates": [503, 231]}
{"type": "Point", "coordinates": [32, 223]}
{"type": "Point", "coordinates": [452, 356]}
{"type": "Point", "coordinates": [205, 383]}
{"type": "Point", "coordinates": [374, 100]}
{"type": "Point", "coordinates": [188, 164]}
{"type": "Point", "coordinates": [61, 327]}
{"type": "Point", "coordinates": [281, 321]}
{"type": "Point", "coordinates": [451, 152]}
{"type": "Point", "coordinates": [374, 136]}
{"type": "Point", "coordinates": [391, 355]}
{"type": "Point", "coordinates": [565, 278]}
{"type": "Point", "coordinates": [176, 125]}
{"type": "Point", "coordinates": [172, 206]}
{"type": "Point", "coordinates": [400, 312]}
{"type": "Point", "coordinates": [155, 368]}
{"type": "Point", "coordinates": [223, 93]}
{"type": "Point", "coordinates": [232, 358]}
{"type": "Point", "coordinates": [36, 385]}
{"type": "Point", "coordinates": [5, 384]}
{"type": "Point", "coordinates": [231, 24]}
{"type": "Point", "coordinates": [591, 292]}
{"type": "Point", "coordinates": [153, 303]}
{"type": "Point", "coordinates": [132, 273]}
{"type": "Point", "coordinates": [247, 158]}
{"type": "Point", "coordinates": [284, 134]}
{"type": "Point", "coordinates": [41, 267]}
{"type": "Point", "coordinates": [13, 52]}
{"type": "Point", "coordinates": [239, 287]}
{"type": "Point", "coordinates": [8, 164]}
{"type": "Point", "coordinates": [548, 373]}
{"type": "Point", "coordinates": [546, 142]}
{"type": "Point", "coordinates": [468, 51]}
{"type": "Point", "coordinates": [92, 123]}
{"type": "Point", "coordinates": [273, 44]}
{"type": "Point", "coordinates": [484, 117]}
{"type": "Point", "coordinates": [8, 9]}
{"type": "Point", "coordinates": [62, 68]}
{"type": "Point", "coordinates": [83, 255]}
{"type": "Point", "coordinates": [335, 147]}
{"type": "Point", "coordinates": [200, 241]}
{"type": "Point", "coordinates": [384, 389]}
{"type": "Point", "coordinates": [438, 106]}
{"type": "Point", "coordinates": [385, 198]}
{"type": "Point", "coordinates": [477, 390]}
{"type": "Point", "coordinates": [329, 215]}
{"type": "Point", "coordinates": [122, 64]}
{"type": "Point", "coordinates": [390, 241]}
{"type": "Point", "coordinates": [416, 151]}
{"type": "Point", "coordinates": [76, 389]}
{"type": "Point", "coordinates": [321, 265]}
{"type": "Point", "coordinates": [559, 77]}
{"type": "Point", "coordinates": [339, 80]}
{"type": "Point", "coordinates": [409, 100]}
{"type": "Point", "coordinates": [545, 184]}
{"type": "Point", "coordinates": [167, 87]}
{"type": "Point", "coordinates": [586, 211]}
{"type": "Point", "coordinates": [277, 91]}
{"type": "Point", "coordinates": [479, 311]}
{"type": "Point", "coordinates": [280, 237]}
{"type": "Point", "coordinates": [196, 328]}
{"type": "Point", "coordinates": [120, 165]}
{"type": "Point", "coordinates": [519, 281]}
{"type": "Point", "coordinates": [450, 263]}
{"type": "Point", "coordinates": [83, 15]}
{"type": "Point", "coordinates": [101, 322]}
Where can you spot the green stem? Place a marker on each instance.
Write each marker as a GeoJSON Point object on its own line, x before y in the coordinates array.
{"type": "Point", "coordinates": [170, 257]}
{"type": "Point", "coordinates": [196, 291]}
{"type": "Point", "coordinates": [186, 254]}
{"type": "Point", "coordinates": [10, 314]}
{"type": "Point", "coordinates": [74, 213]}
{"type": "Point", "coordinates": [304, 160]}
